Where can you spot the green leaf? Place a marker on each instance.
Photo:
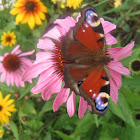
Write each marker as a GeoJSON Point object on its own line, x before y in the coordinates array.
{"type": "Point", "coordinates": [6, 88]}
{"type": "Point", "coordinates": [125, 110]}
{"type": "Point", "coordinates": [47, 107]}
{"type": "Point", "coordinates": [84, 125]}
{"type": "Point", "coordinates": [137, 133]}
{"type": "Point", "coordinates": [29, 107]}
{"type": "Point", "coordinates": [132, 96]}
{"type": "Point", "coordinates": [67, 137]}
{"type": "Point", "coordinates": [95, 116]}
{"type": "Point", "coordinates": [14, 129]}
{"type": "Point", "coordinates": [135, 13]}
{"type": "Point", "coordinates": [10, 26]}
{"type": "Point", "coordinates": [126, 28]}
{"type": "Point", "coordinates": [105, 136]}
{"type": "Point", "coordinates": [132, 81]}
{"type": "Point", "coordinates": [116, 110]}
{"type": "Point", "coordinates": [26, 90]}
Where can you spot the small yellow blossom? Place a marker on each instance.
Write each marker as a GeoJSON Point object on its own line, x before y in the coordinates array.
{"type": "Point", "coordinates": [74, 3]}
{"type": "Point", "coordinates": [8, 39]}
{"type": "Point", "coordinates": [117, 3]}
{"type": "Point", "coordinates": [6, 107]}
{"type": "Point", "coordinates": [29, 11]}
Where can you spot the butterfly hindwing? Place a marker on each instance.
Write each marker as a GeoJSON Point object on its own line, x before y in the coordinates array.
{"type": "Point", "coordinates": [97, 87]}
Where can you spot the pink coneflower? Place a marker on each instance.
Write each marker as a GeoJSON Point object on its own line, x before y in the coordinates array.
{"type": "Point", "coordinates": [49, 65]}
{"type": "Point", "coordinates": [13, 65]}
{"type": "Point", "coordinates": [116, 68]}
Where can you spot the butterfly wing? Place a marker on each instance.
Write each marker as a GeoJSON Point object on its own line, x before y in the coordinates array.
{"type": "Point", "coordinates": [83, 44]}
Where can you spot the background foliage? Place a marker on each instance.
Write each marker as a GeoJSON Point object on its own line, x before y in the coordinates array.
{"type": "Point", "coordinates": [35, 118]}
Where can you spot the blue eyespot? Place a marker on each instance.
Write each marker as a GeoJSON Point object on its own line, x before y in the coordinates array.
{"type": "Point", "coordinates": [101, 101]}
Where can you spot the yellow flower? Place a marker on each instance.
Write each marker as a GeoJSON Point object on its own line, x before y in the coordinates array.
{"type": "Point", "coordinates": [6, 107]}
{"type": "Point", "coordinates": [1, 131]}
{"type": "Point", "coordinates": [117, 3]}
{"type": "Point", "coordinates": [8, 39]}
{"type": "Point", "coordinates": [29, 11]}
{"type": "Point", "coordinates": [74, 3]}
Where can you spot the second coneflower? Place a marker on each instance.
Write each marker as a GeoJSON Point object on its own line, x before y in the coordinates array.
{"type": "Point", "coordinates": [29, 11]}
{"type": "Point", "coordinates": [12, 65]}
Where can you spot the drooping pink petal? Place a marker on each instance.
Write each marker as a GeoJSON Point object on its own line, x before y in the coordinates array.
{"type": "Point", "coordinates": [90, 108]}
{"type": "Point", "coordinates": [110, 40]}
{"type": "Point", "coordinates": [24, 65]}
{"type": "Point", "coordinates": [118, 67]}
{"type": "Point", "coordinates": [3, 76]}
{"type": "Point", "coordinates": [48, 82]}
{"type": "Point", "coordinates": [12, 78]}
{"type": "Point", "coordinates": [107, 26]}
{"type": "Point", "coordinates": [113, 51]}
{"type": "Point", "coordinates": [55, 88]}
{"type": "Point", "coordinates": [61, 98]}
{"type": "Point", "coordinates": [6, 54]}
{"type": "Point", "coordinates": [15, 49]}
{"type": "Point", "coordinates": [21, 83]}
{"type": "Point", "coordinates": [53, 33]}
{"type": "Point", "coordinates": [82, 107]}
{"type": "Point", "coordinates": [46, 44]}
{"type": "Point", "coordinates": [125, 51]}
{"type": "Point", "coordinates": [16, 79]}
{"type": "Point", "coordinates": [35, 70]}
{"type": "Point", "coordinates": [1, 67]}
{"type": "Point", "coordinates": [113, 91]}
{"type": "Point", "coordinates": [26, 61]}
{"type": "Point", "coordinates": [46, 74]}
{"type": "Point", "coordinates": [8, 78]}
{"type": "Point", "coordinates": [116, 77]}
{"type": "Point", "coordinates": [42, 56]}
{"type": "Point", "coordinates": [66, 23]}
{"type": "Point", "coordinates": [71, 104]}
{"type": "Point", "coordinates": [26, 53]}
{"type": "Point", "coordinates": [1, 58]}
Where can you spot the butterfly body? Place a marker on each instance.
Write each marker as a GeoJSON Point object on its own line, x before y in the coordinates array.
{"type": "Point", "coordinates": [87, 75]}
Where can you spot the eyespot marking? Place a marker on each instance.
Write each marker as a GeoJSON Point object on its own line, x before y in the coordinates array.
{"type": "Point", "coordinates": [92, 18]}
{"type": "Point", "coordinates": [102, 101]}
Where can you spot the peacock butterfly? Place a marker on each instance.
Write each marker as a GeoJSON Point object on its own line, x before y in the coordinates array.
{"type": "Point", "coordinates": [86, 73]}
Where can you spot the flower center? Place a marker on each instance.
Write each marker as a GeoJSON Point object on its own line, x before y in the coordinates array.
{"type": "Point", "coordinates": [30, 6]}
{"type": "Point", "coordinates": [1, 108]}
{"type": "Point", "coordinates": [135, 65]}
{"type": "Point", "coordinates": [11, 62]}
{"type": "Point", "coordinates": [8, 38]}
{"type": "Point", "coordinates": [58, 59]}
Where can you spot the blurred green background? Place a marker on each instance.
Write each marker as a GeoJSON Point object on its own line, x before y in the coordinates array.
{"type": "Point", "coordinates": [35, 119]}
